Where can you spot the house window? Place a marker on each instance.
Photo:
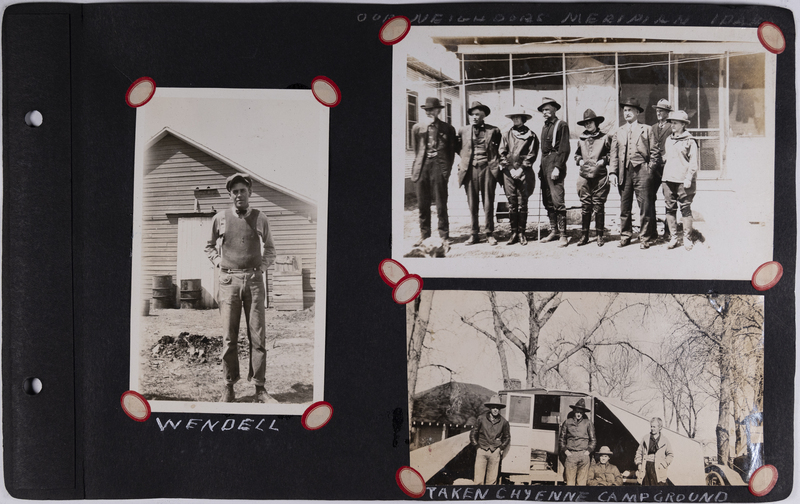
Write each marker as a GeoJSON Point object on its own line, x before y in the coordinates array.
{"type": "Point", "coordinates": [412, 116]}
{"type": "Point", "coordinates": [448, 111]}
{"type": "Point", "coordinates": [697, 93]}
{"type": "Point", "coordinates": [746, 102]}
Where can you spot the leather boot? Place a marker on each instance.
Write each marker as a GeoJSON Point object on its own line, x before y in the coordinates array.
{"type": "Point", "coordinates": [600, 228]}
{"type": "Point", "coordinates": [513, 217]}
{"type": "Point", "coordinates": [562, 230]}
{"type": "Point", "coordinates": [586, 219]}
{"type": "Point", "coordinates": [522, 223]}
{"type": "Point", "coordinates": [688, 233]}
{"type": "Point", "coordinates": [553, 229]}
{"type": "Point", "coordinates": [671, 226]}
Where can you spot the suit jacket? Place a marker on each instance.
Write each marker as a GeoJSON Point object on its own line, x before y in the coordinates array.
{"type": "Point", "coordinates": [661, 135]}
{"type": "Point", "coordinates": [464, 147]}
{"type": "Point", "coordinates": [419, 142]}
{"type": "Point", "coordinates": [645, 151]}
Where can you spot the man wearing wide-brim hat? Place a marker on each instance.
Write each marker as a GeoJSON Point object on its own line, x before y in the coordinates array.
{"type": "Point", "coordinates": [576, 442]}
{"type": "Point", "coordinates": [634, 160]}
{"type": "Point", "coordinates": [591, 156]}
{"type": "Point", "coordinates": [434, 147]}
{"type": "Point", "coordinates": [491, 435]}
{"type": "Point", "coordinates": [602, 472]}
{"type": "Point", "coordinates": [555, 150]}
{"type": "Point", "coordinates": [662, 131]}
{"type": "Point", "coordinates": [479, 168]}
{"type": "Point", "coordinates": [518, 151]}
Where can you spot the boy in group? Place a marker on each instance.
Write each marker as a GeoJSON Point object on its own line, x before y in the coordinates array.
{"type": "Point", "coordinates": [679, 179]}
{"type": "Point", "coordinates": [594, 148]}
{"type": "Point", "coordinates": [519, 149]}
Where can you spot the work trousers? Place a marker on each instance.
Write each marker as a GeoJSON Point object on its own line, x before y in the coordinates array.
{"type": "Point", "coordinates": [552, 191]}
{"type": "Point", "coordinates": [238, 290]}
{"type": "Point", "coordinates": [593, 193]}
{"type": "Point", "coordinates": [517, 193]}
{"type": "Point", "coordinates": [480, 186]}
{"type": "Point", "coordinates": [487, 466]}
{"type": "Point", "coordinates": [576, 468]}
{"type": "Point", "coordinates": [638, 180]}
{"type": "Point", "coordinates": [650, 477]}
{"type": "Point", "coordinates": [432, 185]}
{"type": "Point", "coordinates": [675, 194]}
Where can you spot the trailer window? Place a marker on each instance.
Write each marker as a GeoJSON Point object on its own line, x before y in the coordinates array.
{"type": "Point", "coordinates": [546, 412]}
{"type": "Point", "coordinates": [519, 410]}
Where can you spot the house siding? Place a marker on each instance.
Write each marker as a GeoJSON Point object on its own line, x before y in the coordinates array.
{"type": "Point", "coordinates": [173, 170]}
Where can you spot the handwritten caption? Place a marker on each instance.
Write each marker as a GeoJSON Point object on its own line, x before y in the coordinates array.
{"type": "Point", "coordinates": [453, 493]}
{"type": "Point", "coordinates": [230, 424]}
{"type": "Point", "coordinates": [570, 18]}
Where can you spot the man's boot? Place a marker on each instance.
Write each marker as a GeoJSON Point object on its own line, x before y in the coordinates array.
{"type": "Point", "coordinates": [553, 228]}
{"type": "Point", "coordinates": [263, 397]}
{"type": "Point", "coordinates": [586, 219]}
{"type": "Point", "coordinates": [562, 229]}
{"type": "Point", "coordinates": [671, 226]}
{"type": "Point", "coordinates": [228, 394]}
{"type": "Point", "coordinates": [600, 227]}
{"type": "Point", "coordinates": [688, 233]}
{"type": "Point", "coordinates": [513, 216]}
{"type": "Point", "coordinates": [522, 223]}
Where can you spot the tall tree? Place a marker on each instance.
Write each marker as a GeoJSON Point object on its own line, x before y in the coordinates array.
{"type": "Point", "coordinates": [417, 318]}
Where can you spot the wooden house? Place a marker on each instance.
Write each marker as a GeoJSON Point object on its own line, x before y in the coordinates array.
{"type": "Point", "coordinates": [183, 187]}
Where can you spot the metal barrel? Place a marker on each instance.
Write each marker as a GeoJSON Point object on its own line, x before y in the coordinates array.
{"type": "Point", "coordinates": [191, 293]}
{"type": "Point", "coordinates": [163, 296]}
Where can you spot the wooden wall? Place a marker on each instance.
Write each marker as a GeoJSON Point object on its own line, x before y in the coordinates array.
{"type": "Point", "coordinates": [173, 169]}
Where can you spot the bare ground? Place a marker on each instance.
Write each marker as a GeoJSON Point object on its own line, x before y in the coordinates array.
{"type": "Point", "coordinates": [181, 356]}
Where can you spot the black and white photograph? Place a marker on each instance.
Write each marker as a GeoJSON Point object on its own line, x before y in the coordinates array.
{"type": "Point", "coordinates": [229, 251]}
{"type": "Point", "coordinates": [595, 150]}
{"type": "Point", "coordinates": [579, 388]}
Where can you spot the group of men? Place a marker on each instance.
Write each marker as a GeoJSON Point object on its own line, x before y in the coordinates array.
{"type": "Point", "coordinates": [491, 436]}
{"type": "Point", "coordinates": [632, 159]}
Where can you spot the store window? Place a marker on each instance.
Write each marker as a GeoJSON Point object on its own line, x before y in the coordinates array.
{"type": "Point", "coordinates": [538, 76]}
{"type": "Point", "coordinates": [746, 103]}
{"type": "Point", "coordinates": [412, 116]}
{"type": "Point", "coordinates": [646, 78]}
{"type": "Point", "coordinates": [591, 84]}
{"type": "Point", "coordinates": [486, 79]}
{"type": "Point", "coordinates": [697, 89]}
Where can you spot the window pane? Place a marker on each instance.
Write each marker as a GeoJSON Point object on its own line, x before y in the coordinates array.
{"type": "Point", "coordinates": [546, 412]}
{"type": "Point", "coordinates": [646, 78]}
{"type": "Point", "coordinates": [746, 105]}
{"type": "Point", "coordinates": [698, 95]}
{"type": "Point", "coordinates": [519, 410]}
{"type": "Point", "coordinates": [411, 114]}
{"type": "Point", "coordinates": [486, 80]}
{"type": "Point", "coordinates": [591, 85]}
{"type": "Point", "coordinates": [538, 76]}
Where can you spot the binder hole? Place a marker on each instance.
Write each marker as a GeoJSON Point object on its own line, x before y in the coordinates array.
{"type": "Point", "coordinates": [32, 386]}
{"type": "Point", "coordinates": [33, 118]}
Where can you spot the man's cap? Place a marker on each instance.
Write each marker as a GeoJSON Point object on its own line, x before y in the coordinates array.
{"type": "Point", "coordinates": [432, 103]}
{"type": "Point", "coordinates": [548, 101]}
{"type": "Point", "coordinates": [631, 102]}
{"type": "Point", "coordinates": [494, 402]}
{"type": "Point", "coordinates": [663, 104]}
{"type": "Point", "coordinates": [238, 177]}
{"type": "Point", "coordinates": [580, 405]}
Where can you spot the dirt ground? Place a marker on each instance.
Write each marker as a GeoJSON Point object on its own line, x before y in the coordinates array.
{"type": "Point", "coordinates": [181, 356]}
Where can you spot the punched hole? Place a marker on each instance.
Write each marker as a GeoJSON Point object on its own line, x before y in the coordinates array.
{"type": "Point", "coordinates": [33, 118]}
{"type": "Point", "coordinates": [32, 386]}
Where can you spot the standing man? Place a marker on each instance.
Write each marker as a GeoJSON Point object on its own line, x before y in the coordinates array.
{"type": "Point", "coordinates": [634, 157]}
{"type": "Point", "coordinates": [576, 442]}
{"type": "Point", "coordinates": [235, 248]}
{"type": "Point", "coordinates": [434, 152]}
{"type": "Point", "coordinates": [591, 156]}
{"type": "Point", "coordinates": [555, 149]}
{"type": "Point", "coordinates": [491, 435]}
{"type": "Point", "coordinates": [653, 456]}
{"type": "Point", "coordinates": [662, 130]}
{"type": "Point", "coordinates": [479, 168]}
{"type": "Point", "coordinates": [518, 151]}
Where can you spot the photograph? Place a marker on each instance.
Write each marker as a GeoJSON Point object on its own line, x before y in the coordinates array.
{"type": "Point", "coordinates": [229, 251]}
{"type": "Point", "coordinates": [593, 150]}
{"type": "Point", "coordinates": [583, 388]}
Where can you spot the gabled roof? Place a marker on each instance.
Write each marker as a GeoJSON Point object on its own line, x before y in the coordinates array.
{"type": "Point", "coordinates": [233, 164]}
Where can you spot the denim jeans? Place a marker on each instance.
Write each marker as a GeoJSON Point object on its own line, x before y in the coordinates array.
{"type": "Point", "coordinates": [576, 468]}
{"type": "Point", "coordinates": [236, 291]}
{"type": "Point", "coordinates": [487, 465]}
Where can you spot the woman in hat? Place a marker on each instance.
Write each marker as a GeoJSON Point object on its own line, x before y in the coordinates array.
{"type": "Point", "coordinates": [491, 435]}
{"type": "Point", "coordinates": [680, 178]}
{"type": "Point", "coordinates": [594, 149]}
{"type": "Point", "coordinates": [519, 148]}
{"type": "Point", "coordinates": [603, 473]}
